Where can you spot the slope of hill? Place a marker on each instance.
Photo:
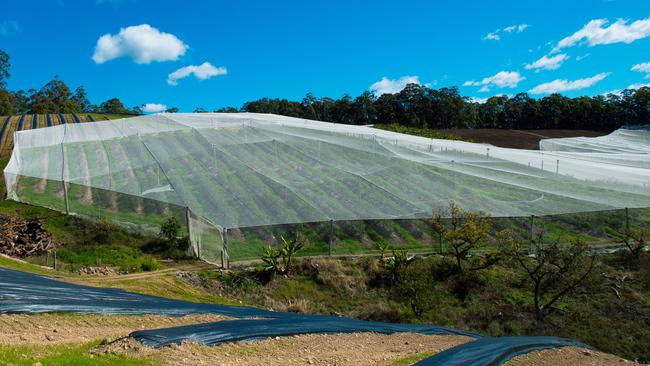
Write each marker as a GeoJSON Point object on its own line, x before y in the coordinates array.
{"type": "Point", "coordinates": [11, 124]}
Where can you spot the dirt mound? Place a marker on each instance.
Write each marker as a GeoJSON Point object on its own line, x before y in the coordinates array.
{"type": "Point", "coordinates": [22, 238]}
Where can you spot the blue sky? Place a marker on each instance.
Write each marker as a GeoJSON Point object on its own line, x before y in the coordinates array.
{"type": "Point", "coordinates": [288, 48]}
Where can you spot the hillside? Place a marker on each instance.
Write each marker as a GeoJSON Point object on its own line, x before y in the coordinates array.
{"type": "Point", "coordinates": [11, 124]}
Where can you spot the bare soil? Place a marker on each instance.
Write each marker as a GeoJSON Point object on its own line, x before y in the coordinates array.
{"type": "Point", "coordinates": [568, 356]}
{"type": "Point", "coordinates": [312, 349]}
{"type": "Point", "coordinates": [517, 139]}
{"type": "Point", "coordinates": [65, 328]}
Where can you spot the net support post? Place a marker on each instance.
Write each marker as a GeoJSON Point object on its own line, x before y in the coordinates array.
{"type": "Point", "coordinates": [532, 234]}
{"type": "Point", "coordinates": [225, 260]}
{"type": "Point", "coordinates": [330, 238]}
{"type": "Point", "coordinates": [627, 221]}
{"type": "Point", "coordinates": [65, 186]}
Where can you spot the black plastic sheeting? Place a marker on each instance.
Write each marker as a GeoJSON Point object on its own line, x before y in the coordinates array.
{"type": "Point", "coordinates": [491, 351]}
{"type": "Point", "coordinates": [249, 330]}
{"type": "Point", "coordinates": [22, 292]}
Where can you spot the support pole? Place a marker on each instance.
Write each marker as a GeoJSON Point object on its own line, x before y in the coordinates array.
{"type": "Point", "coordinates": [627, 221]}
{"type": "Point", "coordinates": [557, 166]}
{"type": "Point", "coordinates": [54, 261]}
{"type": "Point", "coordinates": [532, 233]}
{"type": "Point", "coordinates": [224, 253]}
{"type": "Point", "coordinates": [330, 239]}
{"type": "Point", "coordinates": [442, 246]}
{"type": "Point", "coordinates": [189, 232]}
{"type": "Point", "coordinates": [65, 187]}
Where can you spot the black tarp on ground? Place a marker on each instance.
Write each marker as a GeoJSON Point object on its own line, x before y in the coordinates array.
{"type": "Point", "coordinates": [248, 330]}
{"type": "Point", "coordinates": [491, 351]}
{"type": "Point", "coordinates": [22, 292]}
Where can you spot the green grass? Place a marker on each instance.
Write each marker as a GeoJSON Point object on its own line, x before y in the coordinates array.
{"type": "Point", "coordinates": [423, 132]}
{"type": "Point", "coordinates": [409, 360]}
{"type": "Point", "coordinates": [66, 354]}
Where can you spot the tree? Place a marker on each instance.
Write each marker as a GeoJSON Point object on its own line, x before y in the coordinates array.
{"type": "Point", "coordinates": [113, 106]}
{"type": "Point", "coordinates": [554, 270]}
{"type": "Point", "coordinates": [464, 232]}
{"type": "Point", "coordinates": [632, 238]}
{"type": "Point", "coordinates": [6, 103]}
{"type": "Point", "coordinates": [171, 110]}
{"type": "Point", "coordinates": [4, 69]}
{"type": "Point", "coordinates": [80, 97]}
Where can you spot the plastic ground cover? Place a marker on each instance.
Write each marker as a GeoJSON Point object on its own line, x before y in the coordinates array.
{"type": "Point", "coordinates": [291, 324]}
{"type": "Point", "coordinates": [22, 292]}
{"type": "Point", "coordinates": [491, 351]}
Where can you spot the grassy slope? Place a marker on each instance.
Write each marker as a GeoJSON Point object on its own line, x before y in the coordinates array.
{"type": "Point", "coordinates": [67, 354]}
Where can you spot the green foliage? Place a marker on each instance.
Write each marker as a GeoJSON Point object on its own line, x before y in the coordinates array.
{"type": "Point", "coordinates": [464, 232]}
{"type": "Point", "coordinates": [415, 285]}
{"type": "Point", "coordinates": [553, 270]}
{"type": "Point", "coordinates": [4, 69]}
{"type": "Point", "coordinates": [281, 260]}
{"type": "Point", "coordinates": [127, 259]}
{"type": "Point", "coordinates": [424, 132]}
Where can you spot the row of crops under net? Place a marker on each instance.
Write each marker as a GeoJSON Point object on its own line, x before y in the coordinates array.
{"type": "Point", "coordinates": [253, 176]}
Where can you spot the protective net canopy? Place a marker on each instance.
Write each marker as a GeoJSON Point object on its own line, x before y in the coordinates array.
{"type": "Point", "coordinates": [222, 170]}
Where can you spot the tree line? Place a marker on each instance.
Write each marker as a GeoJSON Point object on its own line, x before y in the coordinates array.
{"type": "Point", "coordinates": [54, 97]}
{"type": "Point", "coordinates": [415, 106]}
{"type": "Point", "coordinates": [423, 107]}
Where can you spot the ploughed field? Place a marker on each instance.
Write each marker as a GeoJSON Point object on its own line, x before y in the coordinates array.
{"type": "Point", "coordinates": [517, 139]}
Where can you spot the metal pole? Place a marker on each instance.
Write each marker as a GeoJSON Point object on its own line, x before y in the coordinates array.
{"type": "Point", "coordinates": [331, 238]}
{"type": "Point", "coordinates": [54, 260]}
{"type": "Point", "coordinates": [65, 188]}
{"type": "Point", "coordinates": [225, 248]}
{"type": "Point", "coordinates": [557, 166]}
{"type": "Point", "coordinates": [189, 232]}
{"type": "Point", "coordinates": [532, 233]}
{"type": "Point", "coordinates": [442, 246]}
{"type": "Point", "coordinates": [627, 221]}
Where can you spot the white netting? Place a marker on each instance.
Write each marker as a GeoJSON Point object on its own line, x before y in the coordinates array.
{"type": "Point", "coordinates": [242, 170]}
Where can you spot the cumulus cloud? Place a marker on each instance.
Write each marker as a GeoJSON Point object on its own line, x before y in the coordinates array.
{"type": "Point", "coordinates": [392, 86]}
{"type": "Point", "coordinates": [8, 27]}
{"type": "Point", "coordinates": [561, 85]}
{"type": "Point", "coordinates": [547, 63]}
{"type": "Point", "coordinates": [143, 43]}
{"type": "Point", "coordinates": [501, 79]}
{"type": "Point", "coordinates": [494, 36]}
{"type": "Point", "coordinates": [597, 32]}
{"type": "Point", "coordinates": [201, 72]}
{"type": "Point", "coordinates": [153, 108]}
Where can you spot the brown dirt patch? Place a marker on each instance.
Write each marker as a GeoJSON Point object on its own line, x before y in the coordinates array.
{"type": "Point", "coordinates": [64, 328]}
{"type": "Point", "coordinates": [517, 139]}
{"type": "Point", "coordinates": [568, 356]}
{"type": "Point", "coordinates": [313, 349]}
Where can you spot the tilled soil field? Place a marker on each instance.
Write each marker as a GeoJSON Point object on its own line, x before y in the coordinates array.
{"type": "Point", "coordinates": [517, 139]}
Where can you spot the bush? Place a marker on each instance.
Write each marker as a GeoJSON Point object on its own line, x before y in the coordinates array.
{"type": "Point", "coordinates": [416, 287]}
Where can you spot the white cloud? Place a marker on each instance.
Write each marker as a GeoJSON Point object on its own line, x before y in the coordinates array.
{"type": "Point", "coordinates": [143, 43]}
{"type": "Point", "coordinates": [392, 86]}
{"type": "Point", "coordinates": [638, 86]}
{"type": "Point", "coordinates": [153, 108]}
{"type": "Point", "coordinates": [642, 67]}
{"type": "Point", "coordinates": [560, 85]}
{"type": "Point", "coordinates": [596, 32]}
{"type": "Point", "coordinates": [494, 36]}
{"type": "Point", "coordinates": [547, 63]}
{"type": "Point", "coordinates": [501, 79]}
{"type": "Point", "coordinates": [580, 58]}
{"type": "Point", "coordinates": [201, 72]}
{"type": "Point", "coordinates": [8, 27]}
